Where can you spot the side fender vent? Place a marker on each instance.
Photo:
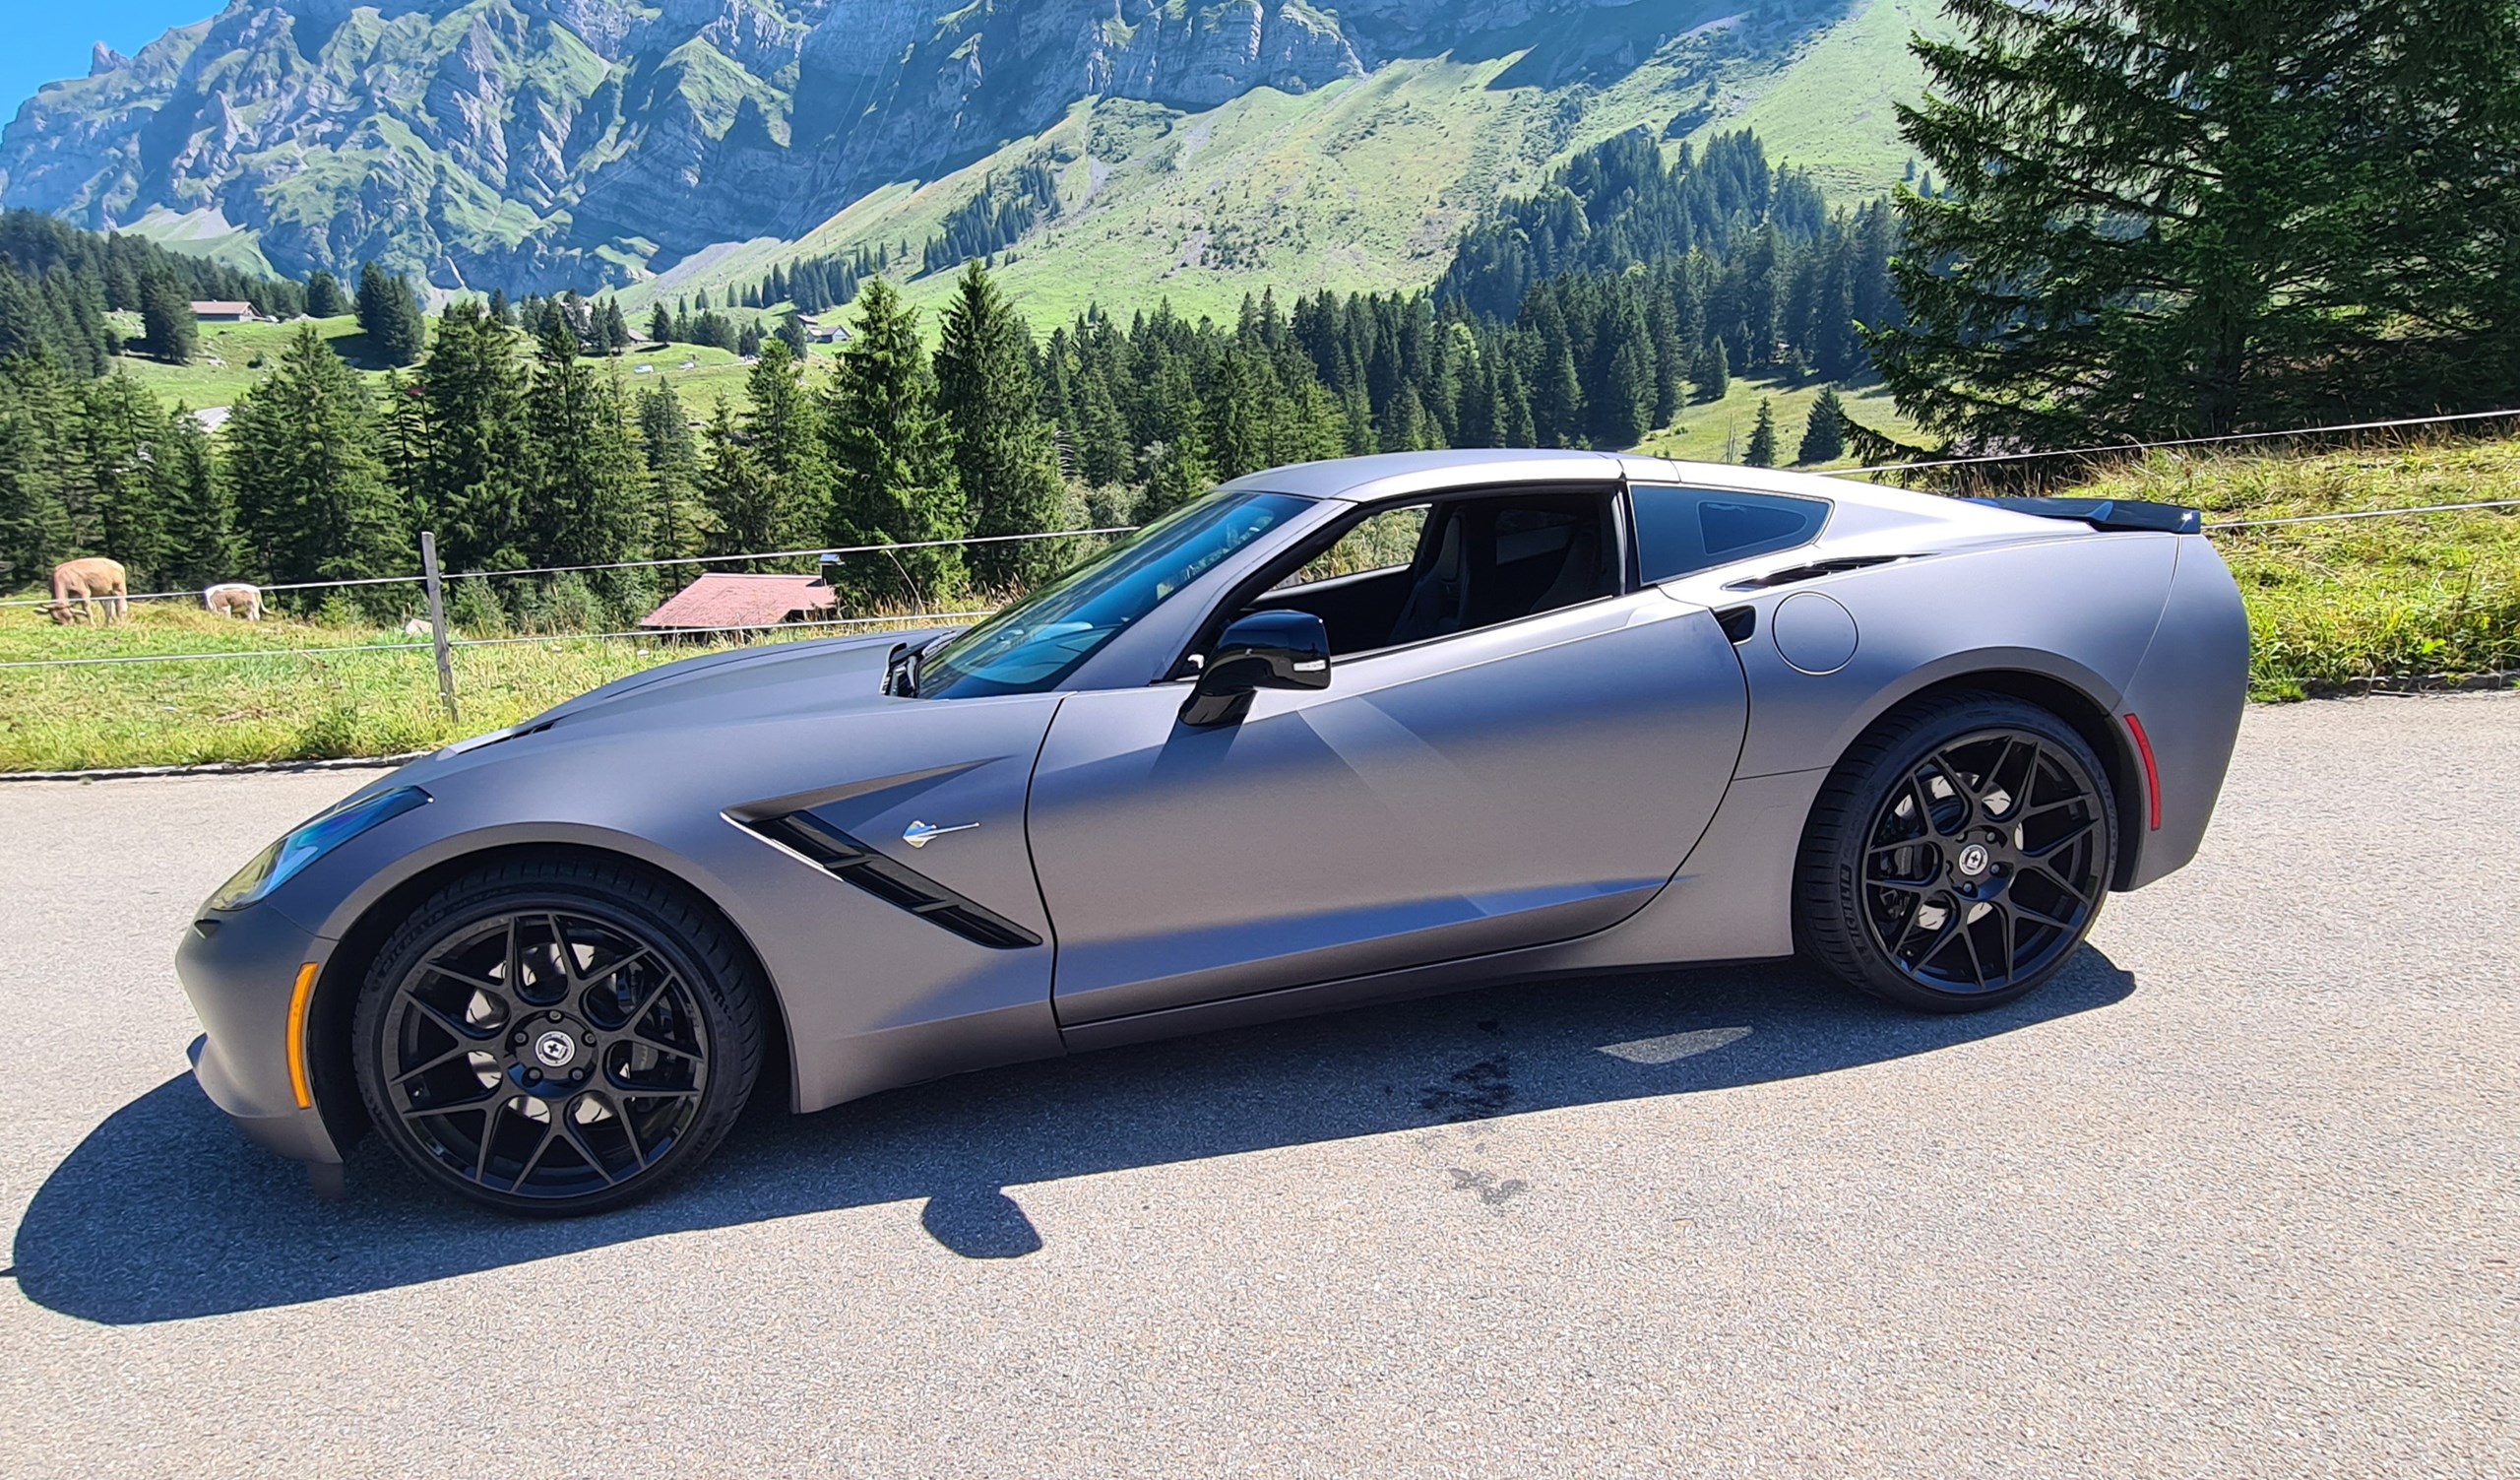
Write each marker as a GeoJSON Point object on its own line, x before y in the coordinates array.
{"type": "Point", "coordinates": [895, 883]}
{"type": "Point", "coordinates": [1811, 572]}
{"type": "Point", "coordinates": [1739, 623]}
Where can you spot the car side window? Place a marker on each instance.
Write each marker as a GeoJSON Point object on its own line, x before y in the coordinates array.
{"type": "Point", "coordinates": [1385, 540]}
{"type": "Point", "coordinates": [1423, 571]}
{"type": "Point", "coordinates": [1681, 530]}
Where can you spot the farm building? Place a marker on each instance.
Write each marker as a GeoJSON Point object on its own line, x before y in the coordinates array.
{"type": "Point", "coordinates": [725, 599]}
{"type": "Point", "coordinates": [824, 330]}
{"type": "Point", "coordinates": [220, 311]}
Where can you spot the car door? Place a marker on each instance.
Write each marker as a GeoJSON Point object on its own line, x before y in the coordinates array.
{"type": "Point", "coordinates": [1521, 784]}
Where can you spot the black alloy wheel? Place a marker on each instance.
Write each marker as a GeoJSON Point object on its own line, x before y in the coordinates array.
{"type": "Point", "coordinates": [556, 1037]}
{"type": "Point", "coordinates": [1958, 855]}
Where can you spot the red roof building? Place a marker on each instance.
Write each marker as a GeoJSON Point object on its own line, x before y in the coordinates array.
{"type": "Point", "coordinates": [725, 599]}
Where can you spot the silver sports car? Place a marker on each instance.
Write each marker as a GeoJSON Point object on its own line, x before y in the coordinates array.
{"type": "Point", "coordinates": [1331, 734]}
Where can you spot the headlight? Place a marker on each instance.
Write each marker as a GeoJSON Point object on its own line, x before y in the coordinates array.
{"type": "Point", "coordinates": [312, 840]}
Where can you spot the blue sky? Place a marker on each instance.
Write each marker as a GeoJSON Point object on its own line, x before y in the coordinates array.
{"type": "Point", "coordinates": [49, 39]}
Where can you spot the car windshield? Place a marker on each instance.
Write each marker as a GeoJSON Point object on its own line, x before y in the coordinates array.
{"type": "Point", "coordinates": [1037, 641]}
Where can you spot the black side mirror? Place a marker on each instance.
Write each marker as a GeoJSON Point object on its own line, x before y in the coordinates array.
{"type": "Point", "coordinates": [1264, 649]}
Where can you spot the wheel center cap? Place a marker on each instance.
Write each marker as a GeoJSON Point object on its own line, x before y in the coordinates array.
{"type": "Point", "coordinates": [1972, 860]}
{"type": "Point", "coordinates": [555, 1049]}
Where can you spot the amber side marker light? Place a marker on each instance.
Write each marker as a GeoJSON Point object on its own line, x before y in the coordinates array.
{"type": "Point", "coordinates": [297, 1001]}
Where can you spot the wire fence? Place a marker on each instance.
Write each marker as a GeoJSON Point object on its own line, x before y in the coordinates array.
{"type": "Point", "coordinates": [817, 553]}
{"type": "Point", "coordinates": [443, 638]}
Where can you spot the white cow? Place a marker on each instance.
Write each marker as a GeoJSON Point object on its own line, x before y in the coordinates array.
{"type": "Point", "coordinates": [234, 599]}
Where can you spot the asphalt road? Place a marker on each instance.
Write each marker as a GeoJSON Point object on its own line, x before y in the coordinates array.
{"type": "Point", "coordinates": [2236, 1196]}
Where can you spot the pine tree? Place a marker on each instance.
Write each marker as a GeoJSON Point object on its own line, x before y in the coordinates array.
{"type": "Point", "coordinates": [586, 502]}
{"type": "Point", "coordinates": [2163, 220]}
{"type": "Point", "coordinates": [1824, 436]}
{"type": "Point", "coordinates": [742, 512]}
{"type": "Point", "coordinates": [122, 428]}
{"type": "Point", "coordinates": [1559, 411]}
{"type": "Point", "coordinates": [470, 483]}
{"type": "Point", "coordinates": [1102, 432]}
{"type": "Point", "coordinates": [784, 429]}
{"type": "Point", "coordinates": [893, 456]}
{"type": "Point", "coordinates": [616, 328]}
{"type": "Point", "coordinates": [1714, 375]}
{"type": "Point", "coordinates": [672, 458]}
{"type": "Point", "coordinates": [1514, 427]}
{"type": "Point", "coordinates": [390, 317]}
{"type": "Point", "coordinates": [324, 297]}
{"type": "Point", "coordinates": [168, 331]}
{"type": "Point", "coordinates": [1405, 426]}
{"type": "Point", "coordinates": [1004, 458]}
{"type": "Point", "coordinates": [1625, 405]}
{"type": "Point", "coordinates": [791, 329]}
{"type": "Point", "coordinates": [402, 440]}
{"type": "Point", "coordinates": [659, 325]}
{"type": "Point", "coordinates": [36, 397]}
{"type": "Point", "coordinates": [202, 548]}
{"type": "Point", "coordinates": [311, 499]}
{"type": "Point", "coordinates": [1236, 425]}
{"type": "Point", "coordinates": [1762, 449]}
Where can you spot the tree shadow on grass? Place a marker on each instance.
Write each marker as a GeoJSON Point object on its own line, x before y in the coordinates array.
{"type": "Point", "coordinates": [165, 1212]}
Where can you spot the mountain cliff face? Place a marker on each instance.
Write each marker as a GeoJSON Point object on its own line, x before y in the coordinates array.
{"type": "Point", "coordinates": [520, 143]}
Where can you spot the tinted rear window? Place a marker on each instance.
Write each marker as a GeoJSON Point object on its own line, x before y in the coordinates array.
{"type": "Point", "coordinates": [1679, 531]}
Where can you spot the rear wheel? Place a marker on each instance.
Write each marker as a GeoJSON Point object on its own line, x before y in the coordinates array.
{"type": "Point", "coordinates": [1958, 854]}
{"type": "Point", "coordinates": [556, 1037]}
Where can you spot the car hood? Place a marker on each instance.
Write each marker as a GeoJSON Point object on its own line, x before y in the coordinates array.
{"type": "Point", "coordinates": [778, 682]}
{"type": "Point", "coordinates": [839, 673]}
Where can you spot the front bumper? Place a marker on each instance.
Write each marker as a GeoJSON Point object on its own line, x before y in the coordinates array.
{"type": "Point", "coordinates": [241, 975]}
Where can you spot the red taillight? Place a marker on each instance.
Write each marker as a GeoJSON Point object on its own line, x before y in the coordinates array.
{"type": "Point", "coordinates": [2152, 773]}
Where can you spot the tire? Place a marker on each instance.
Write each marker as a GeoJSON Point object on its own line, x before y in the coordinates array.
{"type": "Point", "coordinates": [1958, 854]}
{"type": "Point", "coordinates": [555, 1036]}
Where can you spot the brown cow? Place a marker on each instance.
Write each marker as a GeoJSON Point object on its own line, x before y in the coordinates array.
{"type": "Point", "coordinates": [234, 599]}
{"type": "Point", "coordinates": [89, 583]}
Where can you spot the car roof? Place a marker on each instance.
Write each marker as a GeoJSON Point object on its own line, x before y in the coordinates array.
{"type": "Point", "coordinates": [1402, 474]}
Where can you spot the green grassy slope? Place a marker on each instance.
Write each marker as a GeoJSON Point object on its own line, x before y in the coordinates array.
{"type": "Point", "coordinates": [1363, 185]}
{"type": "Point", "coordinates": [233, 357]}
{"type": "Point", "coordinates": [1828, 108]}
{"type": "Point", "coordinates": [1719, 432]}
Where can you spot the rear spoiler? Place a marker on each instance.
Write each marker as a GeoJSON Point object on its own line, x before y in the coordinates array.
{"type": "Point", "coordinates": [2108, 513]}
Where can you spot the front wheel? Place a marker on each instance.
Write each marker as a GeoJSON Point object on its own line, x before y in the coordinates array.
{"type": "Point", "coordinates": [556, 1036]}
{"type": "Point", "coordinates": [1958, 855]}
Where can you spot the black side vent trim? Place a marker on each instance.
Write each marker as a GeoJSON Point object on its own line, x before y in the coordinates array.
{"type": "Point", "coordinates": [895, 883]}
{"type": "Point", "coordinates": [2108, 513]}
{"type": "Point", "coordinates": [1739, 623]}
{"type": "Point", "coordinates": [1810, 572]}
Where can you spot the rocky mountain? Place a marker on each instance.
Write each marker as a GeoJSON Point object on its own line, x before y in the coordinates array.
{"type": "Point", "coordinates": [524, 144]}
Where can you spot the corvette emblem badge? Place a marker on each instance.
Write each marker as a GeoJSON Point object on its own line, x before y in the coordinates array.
{"type": "Point", "coordinates": [921, 834]}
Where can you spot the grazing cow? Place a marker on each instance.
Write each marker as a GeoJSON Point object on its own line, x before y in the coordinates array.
{"type": "Point", "coordinates": [234, 599]}
{"type": "Point", "coordinates": [88, 583]}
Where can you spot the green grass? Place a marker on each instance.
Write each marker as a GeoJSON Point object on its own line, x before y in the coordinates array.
{"type": "Point", "coordinates": [226, 369]}
{"type": "Point", "coordinates": [234, 356]}
{"type": "Point", "coordinates": [1828, 108]}
{"type": "Point", "coordinates": [1719, 432]}
{"type": "Point", "coordinates": [2328, 603]}
{"type": "Point", "coordinates": [358, 697]}
{"type": "Point", "coordinates": [2432, 594]}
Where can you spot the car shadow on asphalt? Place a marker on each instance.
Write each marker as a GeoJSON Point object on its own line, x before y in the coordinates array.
{"type": "Point", "coordinates": [165, 1212]}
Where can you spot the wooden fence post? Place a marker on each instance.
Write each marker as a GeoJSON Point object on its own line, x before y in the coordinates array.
{"type": "Point", "coordinates": [437, 623]}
